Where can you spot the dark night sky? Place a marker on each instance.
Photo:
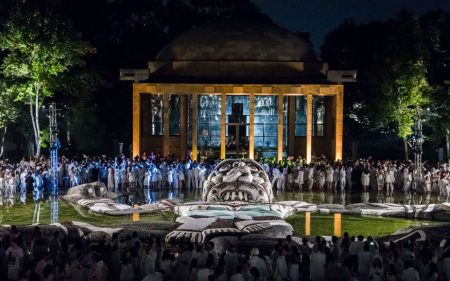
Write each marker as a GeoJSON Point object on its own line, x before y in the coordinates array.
{"type": "Point", "coordinates": [320, 16]}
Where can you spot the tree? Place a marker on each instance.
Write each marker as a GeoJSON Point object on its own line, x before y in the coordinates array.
{"type": "Point", "coordinates": [392, 73]}
{"type": "Point", "coordinates": [437, 41]}
{"type": "Point", "coordinates": [399, 82]}
{"type": "Point", "coordinates": [39, 48]}
{"type": "Point", "coordinates": [9, 110]}
{"type": "Point", "coordinates": [402, 97]}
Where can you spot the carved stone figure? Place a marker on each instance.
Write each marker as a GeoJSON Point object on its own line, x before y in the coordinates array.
{"type": "Point", "coordinates": [238, 180]}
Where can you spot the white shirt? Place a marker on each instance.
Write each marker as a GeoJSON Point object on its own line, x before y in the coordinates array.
{"type": "Point", "coordinates": [410, 274]}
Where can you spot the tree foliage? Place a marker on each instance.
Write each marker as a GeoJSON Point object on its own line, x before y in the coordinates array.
{"type": "Point", "coordinates": [392, 63]}
{"type": "Point", "coordinates": [9, 107]}
{"type": "Point", "coordinates": [39, 49]}
{"type": "Point", "coordinates": [403, 92]}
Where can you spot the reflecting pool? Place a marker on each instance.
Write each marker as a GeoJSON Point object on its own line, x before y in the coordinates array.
{"type": "Point", "coordinates": [320, 224]}
{"type": "Point", "coordinates": [315, 197]}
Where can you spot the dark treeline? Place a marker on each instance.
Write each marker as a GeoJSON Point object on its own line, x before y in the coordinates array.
{"type": "Point", "coordinates": [390, 57]}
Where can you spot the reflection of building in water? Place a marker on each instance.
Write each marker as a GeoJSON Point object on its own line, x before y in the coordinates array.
{"type": "Point", "coordinates": [238, 89]}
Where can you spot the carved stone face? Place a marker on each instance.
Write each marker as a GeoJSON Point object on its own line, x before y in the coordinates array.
{"type": "Point", "coordinates": [238, 180]}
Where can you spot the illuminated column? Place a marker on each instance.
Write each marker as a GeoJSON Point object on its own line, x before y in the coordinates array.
{"type": "Point", "coordinates": [183, 123]}
{"type": "Point", "coordinates": [337, 225]}
{"type": "Point", "coordinates": [309, 114]}
{"type": "Point", "coordinates": [135, 216]}
{"type": "Point", "coordinates": [307, 223]}
{"type": "Point", "coordinates": [280, 126]}
{"type": "Point", "coordinates": [251, 139]}
{"type": "Point", "coordinates": [339, 126]}
{"type": "Point", "coordinates": [223, 123]}
{"type": "Point", "coordinates": [165, 124]}
{"type": "Point", "coordinates": [194, 125]}
{"type": "Point", "coordinates": [136, 121]}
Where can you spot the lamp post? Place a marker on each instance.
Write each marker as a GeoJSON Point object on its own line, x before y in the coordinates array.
{"type": "Point", "coordinates": [54, 146]}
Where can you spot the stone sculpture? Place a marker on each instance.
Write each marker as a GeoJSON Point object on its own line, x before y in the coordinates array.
{"type": "Point", "coordinates": [238, 180]}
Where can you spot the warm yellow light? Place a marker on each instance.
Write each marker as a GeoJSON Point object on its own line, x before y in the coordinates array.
{"type": "Point", "coordinates": [135, 216]}
{"type": "Point", "coordinates": [337, 225]}
{"type": "Point", "coordinates": [307, 223]}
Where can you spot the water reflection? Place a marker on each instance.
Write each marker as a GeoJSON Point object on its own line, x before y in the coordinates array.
{"type": "Point", "coordinates": [316, 197]}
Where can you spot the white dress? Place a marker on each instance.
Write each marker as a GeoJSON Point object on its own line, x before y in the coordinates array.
{"type": "Point", "coordinates": [342, 178]}
{"type": "Point", "coordinates": [407, 181]}
{"type": "Point", "coordinates": [329, 175]}
{"type": "Point", "coordinates": [317, 266]}
{"type": "Point", "coordinates": [365, 179]}
{"type": "Point", "coordinates": [299, 179]}
{"type": "Point", "coordinates": [110, 179]}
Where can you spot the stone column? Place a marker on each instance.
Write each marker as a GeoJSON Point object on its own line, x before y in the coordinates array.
{"type": "Point", "coordinates": [251, 139]}
{"type": "Point", "coordinates": [280, 126]}
{"type": "Point", "coordinates": [309, 114]}
{"type": "Point", "coordinates": [194, 125]}
{"type": "Point", "coordinates": [223, 122]}
{"type": "Point", "coordinates": [136, 120]}
{"type": "Point", "coordinates": [339, 126]}
{"type": "Point", "coordinates": [166, 145]}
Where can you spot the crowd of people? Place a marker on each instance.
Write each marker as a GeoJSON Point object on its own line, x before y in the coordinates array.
{"type": "Point", "coordinates": [34, 256]}
{"type": "Point", "coordinates": [123, 174]}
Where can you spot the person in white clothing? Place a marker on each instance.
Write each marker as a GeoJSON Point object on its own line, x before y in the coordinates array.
{"type": "Point", "coordinates": [407, 179]}
{"type": "Point", "coordinates": [149, 259]}
{"type": "Point", "coordinates": [317, 264]}
{"type": "Point", "coordinates": [276, 178]}
{"type": "Point", "coordinates": [380, 178]}
{"type": "Point", "coordinates": [335, 177]}
{"type": "Point", "coordinates": [257, 261]}
{"type": "Point", "coordinates": [376, 271]}
{"type": "Point", "coordinates": [299, 180]}
{"type": "Point", "coordinates": [111, 184]}
{"type": "Point", "coordinates": [310, 176]}
{"type": "Point", "coordinates": [281, 268]}
{"type": "Point", "coordinates": [349, 177]}
{"type": "Point", "coordinates": [365, 179]}
{"type": "Point", "coordinates": [427, 181]}
{"type": "Point", "coordinates": [14, 259]}
{"type": "Point", "coordinates": [389, 180]}
{"type": "Point", "coordinates": [342, 177]}
{"type": "Point", "coordinates": [329, 177]}
{"type": "Point", "coordinates": [410, 273]}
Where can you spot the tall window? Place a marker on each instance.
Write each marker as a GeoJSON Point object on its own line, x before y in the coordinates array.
{"type": "Point", "coordinates": [300, 116]}
{"type": "Point", "coordinates": [174, 115]}
{"type": "Point", "coordinates": [208, 122]}
{"type": "Point", "coordinates": [285, 125]}
{"type": "Point", "coordinates": [189, 120]}
{"type": "Point", "coordinates": [156, 115]}
{"type": "Point", "coordinates": [318, 116]}
{"type": "Point", "coordinates": [266, 125]}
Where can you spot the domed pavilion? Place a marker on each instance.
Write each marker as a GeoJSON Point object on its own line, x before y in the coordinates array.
{"type": "Point", "coordinates": [238, 90]}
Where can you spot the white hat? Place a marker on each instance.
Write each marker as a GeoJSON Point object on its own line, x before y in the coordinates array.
{"type": "Point", "coordinates": [254, 252]}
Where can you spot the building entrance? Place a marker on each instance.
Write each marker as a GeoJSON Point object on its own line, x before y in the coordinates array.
{"type": "Point", "coordinates": [237, 132]}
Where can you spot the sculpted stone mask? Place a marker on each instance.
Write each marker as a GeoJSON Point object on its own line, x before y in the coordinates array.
{"type": "Point", "coordinates": [238, 180]}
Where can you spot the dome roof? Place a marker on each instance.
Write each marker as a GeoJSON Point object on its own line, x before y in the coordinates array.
{"type": "Point", "coordinates": [237, 41]}
{"type": "Point", "coordinates": [237, 52]}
